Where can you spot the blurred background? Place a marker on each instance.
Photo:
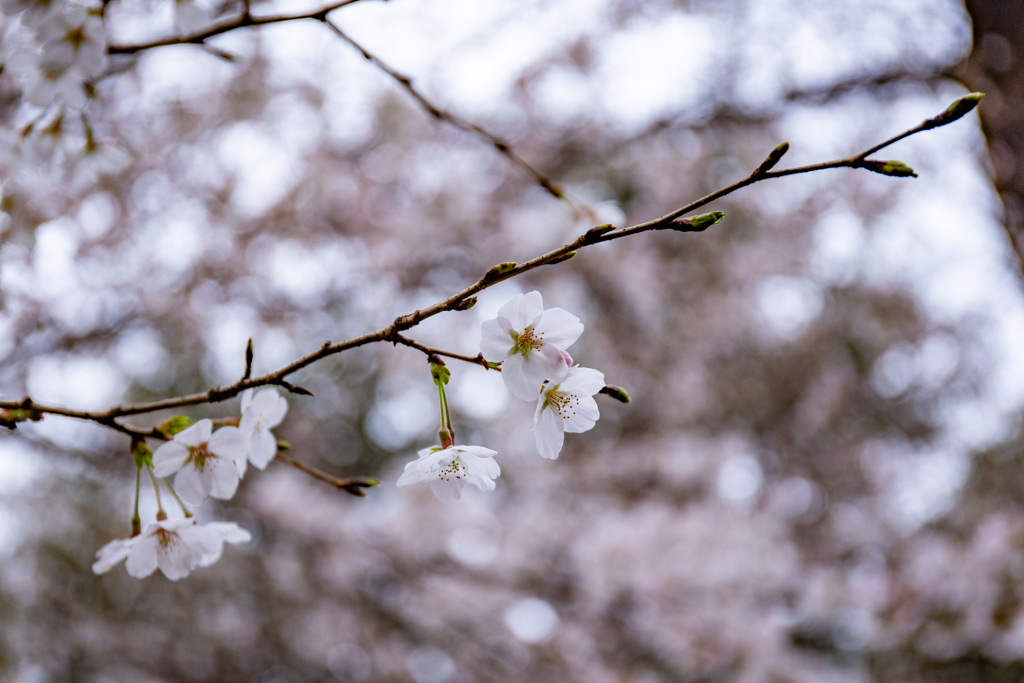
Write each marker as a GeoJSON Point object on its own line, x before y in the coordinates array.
{"type": "Point", "coordinates": [821, 475]}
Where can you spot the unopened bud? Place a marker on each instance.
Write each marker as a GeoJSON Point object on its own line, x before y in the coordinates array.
{"type": "Point", "coordinates": [567, 357]}
{"type": "Point", "coordinates": [618, 393]}
{"type": "Point", "coordinates": [699, 223]}
{"type": "Point", "coordinates": [564, 257]}
{"type": "Point", "coordinates": [594, 233]}
{"type": "Point", "coordinates": [773, 158]}
{"type": "Point", "coordinates": [897, 169]}
{"type": "Point", "coordinates": [466, 304]}
{"type": "Point", "coordinates": [957, 110]}
{"type": "Point", "coordinates": [499, 270]}
{"type": "Point", "coordinates": [173, 425]}
{"type": "Point", "coordinates": [283, 445]}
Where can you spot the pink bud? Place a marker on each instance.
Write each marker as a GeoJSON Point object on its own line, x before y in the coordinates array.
{"type": "Point", "coordinates": [567, 357]}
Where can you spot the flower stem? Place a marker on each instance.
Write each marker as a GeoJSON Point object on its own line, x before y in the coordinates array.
{"type": "Point", "coordinates": [160, 514]}
{"type": "Point", "coordinates": [174, 493]}
{"type": "Point", "coordinates": [446, 433]}
{"type": "Point", "coordinates": [136, 520]}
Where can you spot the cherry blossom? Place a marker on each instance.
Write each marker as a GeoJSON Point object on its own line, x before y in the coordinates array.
{"type": "Point", "coordinates": [530, 343]}
{"type": "Point", "coordinates": [37, 10]}
{"type": "Point", "coordinates": [260, 414]}
{"type": "Point", "coordinates": [44, 79]}
{"type": "Point", "coordinates": [566, 407]}
{"type": "Point", "coordinates": [206, 465]}
{"type": "Point", "coordinates": [448, 470]}
{"type": "Point", "coordinates": [74, 38]}
{"type": "Point", "coordinates": [176, 547]}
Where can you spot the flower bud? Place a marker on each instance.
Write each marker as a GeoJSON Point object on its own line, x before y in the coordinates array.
{"type": "Point", "coordinates": [773, 158]}
{"type": "Point", "coordinates": [698, 223]}
{"type": "Point", "coordinates": [594, 233]}
{"type": "Point", "coordinates": [173, 425]}
{"type": "Point", "coordinates": [465, 304]}
{"type": "Point", "coordinates": [957, 110]}
{"type": "Point", "coordinates": [499, 270]}
{"type": "Point", "coordinates": [618, 393]}
{"type": "Point", "coordinates": [897, 169]}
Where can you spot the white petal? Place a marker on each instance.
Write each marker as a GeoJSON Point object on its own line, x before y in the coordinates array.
{"type": "Point", "coordinates": [189, 486]}
{"type": "Point", "coordinates": [169, 458]}
{"type": "Point", "coordinates": [271, 406]}
{"type": "Point", "coordinates": [229, 532]}
{"type": "Point", "coordinates": [142, 556]}
{"type": "Point", "coordinates": [516, 381]}
{"type": "Point", "coordinates": [223, 477]}
{"type": "Point", "coordinates": [549, 434]}
{"type": "Point", "coordinates": [198, 433]}
{"type": "Point", "coordinates": [495, 343]}
{"type": "Point", "coordinates": [230, 443]}
{"type": "Point", "coordinates": [71, 86]}
{"type": "Point", "coordinates": [483, 467]}
{"type": "Point", "coordinates": [522, 309]}
{"type": "Point", "coordinates": [263, 449]}
{"type": "Point", "coordinates": [447, 491]}
{"type": "Point", "coordinates": [559, 327]}
{"type": "Point", "coordinates": [546, 363]}
{"type": "Point", "coordinates": [176, 559]}
{"type": "Point", "coordinates": [584, 381]}
{"type": "Point", "coordinates": [202, 543]}
{"type": "Point", "coordinates": [477, 450]}
{"type": "Point", "coordinates": [481, 482]}
{"type": "Point", "coordinates": [414, 474]}
{"type": "Point", "coordinates": [246, 399]}
{"type": "Point", "coordinates": [583, 415]}
{"type": "Point", "coordinates": [110, 554]}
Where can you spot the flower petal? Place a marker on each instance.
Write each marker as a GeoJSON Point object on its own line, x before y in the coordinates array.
{"type": "Point", "coordinates": [481, 482]}
{"type": "Point", "coordinates": [169, 458]}
{"type": "Point", "coordinates": [111, 554]}
{"type": "Point", "coordinates": [198, 433]}
{"type": "Point", "coordinates": [246, 399]}
{"type": "Point", "coordinates": [223, 477]}
{"type": "Point", "coordinates": [189, 486]}
{"type": "Point", "coordinates": [516, 380]}
{"type": "Point", "coordinates": [546, 363]}
{"type": "Point", "coordinates": [447, 491]}
{"type": "Point", "coordinates": [230, 443]}
{"type": "Point", "coordinates": [559, 327]}
{"type": "Point", "coordinates": [477, 466]}
{"type": "Point", "coordinates": [142, 559]}
{"type": "Point", "coordinates": [522, 309]}
{"type": "Point", "coordinates": [583, 381]}
{"type": "Point", "coordinates": [549, 433]}
{"type": "Point", "coordinates": [271, 406]}
{"type": "Point", "coordinates": [263, 449]}
{"type": "Point", "coordinates": [477, 450]}
{"type": "Point", "coordinates": [176, 559]}
{"type": "Point", "coordinates": [495, 343]}
{"type": "Point", "coordinates": [583, 417]}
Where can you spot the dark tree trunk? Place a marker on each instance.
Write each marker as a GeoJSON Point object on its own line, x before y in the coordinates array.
{"type": "Point", "coordinates": [996, 67]}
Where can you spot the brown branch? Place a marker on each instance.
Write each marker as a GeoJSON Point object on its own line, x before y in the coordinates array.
{"type": "Point", "coordinates": [353, 485]}
{"type": "Point", "coordinates": [493, 276]}
{"type": "Point", "coordinates": [246, 19]}
{"type": "Point", "coordinates": [448, 117]}
{"type": "Point", "coordinates": [478, 359]}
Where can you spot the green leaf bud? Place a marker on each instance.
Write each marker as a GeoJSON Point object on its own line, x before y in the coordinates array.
{"type": "Point", "coordinates": [897, 169]}
{"type": "Point", "coordinates": [699, 223]}
{"type": "Point", "coordinates": [773, 158]}
{"type": "Point", "coordinates": [618, 393]}
{"type": "Point", "coordinates": [283, 445]}
{"type": "Point", "coordinates": [466, 304]}
{"type": "Point", "coordinates": [499, 270]}
{"type": "Point", "coordinates": [957, 110]}
{"type": "Point", "coordinates": [173, 425]}
{"type": "Point", "coordinates": [594, 233]}
{"type": "Point", "coordinates": [564, 257]}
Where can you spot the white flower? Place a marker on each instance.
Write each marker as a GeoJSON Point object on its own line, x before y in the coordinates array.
{"type": "Point", "coordinates": [260, 414]}
{"type": "Point", "coordinates": [175, 546]}
{"type": "Point", "coordinates": [75, 38]}
{"type": "Point", "coordinates": [44, 79]}
{"type": "Point", "coordinates": [529, 342]}
{"type": "Point", "coordinates": [448, 470]}
{"type": "Point", "coordinates": [206, 465]}
{"type": "Point", "coordinates": [566, 407]}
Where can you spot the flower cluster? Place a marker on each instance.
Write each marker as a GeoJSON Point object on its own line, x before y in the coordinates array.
{"type": "Point", "coordinates": [71, 50]}
{"type": "Point", "coordinates": [204, 463]}
{"type": "Point", "coordinates": [529, 342]}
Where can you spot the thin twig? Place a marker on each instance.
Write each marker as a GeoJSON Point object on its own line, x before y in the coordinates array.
{"type": "Point", "coordinates": [478, 359]}
{"type": "Point", "coordinates": [353, 485]}
{"type": "Point", "coordinates": [495, 275]}
{"type": "Point", "coordinates": [447, 117]}
{"type": "Point", "coordinates": [246, 19]}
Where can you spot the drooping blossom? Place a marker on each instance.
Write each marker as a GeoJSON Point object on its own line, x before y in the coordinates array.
{"type": "Point", "coordinates": [448, 470]}
{"type": "Point", "coordinates": [206, 465]}
{"type": "Point", "coordinates": [176, 547]}
{"type": "Point", "coordinates": [530, 343]}
{"type": "Point", "coordinates": [260, 414]}
{"type": "Point", "coordinates": [568, 406]}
